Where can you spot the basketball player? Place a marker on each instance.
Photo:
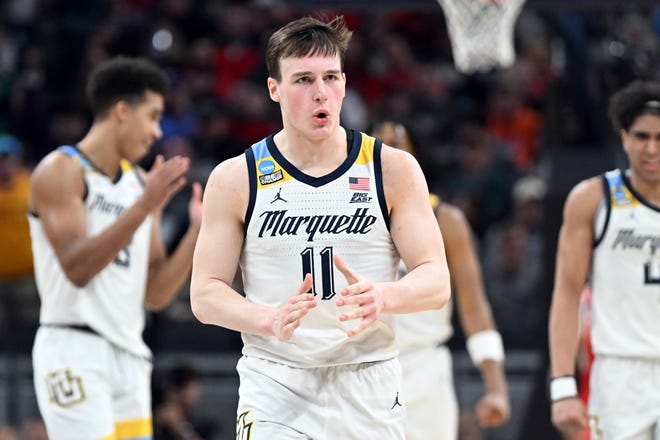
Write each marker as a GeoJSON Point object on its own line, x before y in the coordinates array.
{"type": "Point", "coordinates": [319, 263]}
{"type": "Point", "coordinates": [99, 257]}
{"type": "Point", "coordinates": [610, 236]}
{"type": "Point", "coordinates": [432, 408]}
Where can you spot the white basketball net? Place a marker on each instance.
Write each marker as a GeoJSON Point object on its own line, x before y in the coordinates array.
{"type": "Point", "coordinates": [481, 32]}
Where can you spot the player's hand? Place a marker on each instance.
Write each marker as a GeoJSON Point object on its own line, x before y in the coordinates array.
{"type": "Point", "coordinates": [287, 318]}
{"type": "Point", "coordinates": [165, 178]}
{"type": "Point", "coordinates": [170, 415]}
{"type": "Point", "coordinates": [493, 409]}
{"type": "Point", "coordinates": [570, 416]}
{"type": "Point", "coordinates": [195, 206]}
{"type": "Point", "coordinates": [363, 294]}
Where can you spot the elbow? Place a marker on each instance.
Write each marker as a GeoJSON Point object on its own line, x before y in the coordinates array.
{"type": "Point", "coordinates": [155, 306]}
{"type": "Point", "coordinates": [78, 279]}
{"type": "Point", "coordinates": [442, 292]}
{"type": "Point", "coordinates": [198, 308]}
{"type": "Point", "coordinates": [77, 272]}
{"type": "Point", "coordinates": [443, 296]}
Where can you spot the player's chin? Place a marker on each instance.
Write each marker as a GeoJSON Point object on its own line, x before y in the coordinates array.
{"type": "Point", "coordinates": [141, 152]}
{"type": "Point", "coordinates": [323, 127]}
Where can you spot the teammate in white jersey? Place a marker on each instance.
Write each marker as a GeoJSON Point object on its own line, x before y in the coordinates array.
{"type": "Point", "coordinates": [99, 257]}
{"type": "Point", "coordinates": [432, 407]}
{"type": "Point", "coordinates": [610, 238]}
{"type": "Point", "coordinates": [317, 217]}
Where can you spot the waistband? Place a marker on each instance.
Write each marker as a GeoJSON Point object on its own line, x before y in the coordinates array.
{"type": "Point", "coordinates": [79, 327]}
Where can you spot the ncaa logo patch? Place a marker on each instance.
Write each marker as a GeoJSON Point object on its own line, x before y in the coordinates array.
{"type": "Point", "coordinates": [266, 166]}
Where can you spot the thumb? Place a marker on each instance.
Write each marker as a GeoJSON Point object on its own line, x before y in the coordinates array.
{"type": "Point", "coordinates": [158, 162]}
{"type": "Point", "coordinates": [350, 275]}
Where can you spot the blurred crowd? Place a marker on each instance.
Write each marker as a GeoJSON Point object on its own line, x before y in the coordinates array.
{"type": "Point", "coordinates": [483, 138]}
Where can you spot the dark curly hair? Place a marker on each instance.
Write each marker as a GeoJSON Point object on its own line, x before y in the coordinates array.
{"type": "Point", "coordinates": [123, 78]}
{"type": "Point", "coordinates": [634, 100]}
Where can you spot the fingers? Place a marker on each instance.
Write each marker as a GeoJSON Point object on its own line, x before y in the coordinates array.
{"type": "Point", "coordinates": [359, 312]}
{"type": "Point", "coordinates": [570, 416]}
{"type": "Point", "coordinates": [360, 293]}
{"type": "Point", "coordinates": [492, 410]}
{"type": "Point", "coordinates": [197, 192]}
{"type": "Point", "coordinates": [306, 285]}
{"type": "Point", "coordinates": [165, 178]}
{"type": "Point", "coordinates": [489, 416]}
{"type": "Point", "coordinates": [158, 162]}
{"type": "Point", "coordinates": [301, 300]}
{"type": "Point", "coordinates": [295, 309]}
{"type": "Point", "coordinates": [195, 206]}
{"type": "Point", "coordinates": [350, 275]}
{"type": "Point", "coordinates": [366, 322]}
{"type": "Point", "coordinates": [170, 170]}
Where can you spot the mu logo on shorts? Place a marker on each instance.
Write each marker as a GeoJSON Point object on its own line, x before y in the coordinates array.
{"type": "Point", "coordinates": [65, 389]}
{"type": "Point", "coordinates": [243, 427]}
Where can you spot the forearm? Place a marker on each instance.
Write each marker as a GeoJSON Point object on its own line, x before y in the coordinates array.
{"type": "Point", "coordinates": [217, 303]}
{"type": "Point", "coordinates": [564, 333]}
{"type": "Point", "coordinates": [474, 312]}
{"type": "Point", "coordinates": [89, 255]}
{"type": "Point", "coordinates": [427, 286]}
{"type": "Point", "coordinates": [492, 373]}
{"type": "Point", "coordinates": [166, 280]}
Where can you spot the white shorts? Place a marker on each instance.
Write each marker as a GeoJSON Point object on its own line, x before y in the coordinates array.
{"type": "Point", "coordinates": [624, 399]}
{"type": "Point", "coordinates": [89, 389]}
{"type": "Point", "coordinates": [428, 383]}
{"type": "Point", "coordinates": [360, 401]}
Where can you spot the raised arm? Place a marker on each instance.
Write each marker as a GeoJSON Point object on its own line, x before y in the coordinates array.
{"type": "Point", "coordinates": [572, 265]}
{"type": "Point", "coordinates": [216, 257]}
{"type": "Point", "coordinates": [475, 314]}
{"type": "Point", "coordinates": [57, 197]}
{"type": "Point", "coordinates": [168, 274]}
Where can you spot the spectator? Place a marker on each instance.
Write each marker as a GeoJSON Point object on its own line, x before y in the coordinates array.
{"type": "Point", "coordinates": [174, 417]}
{"type": "Point", "coordinates": [19, 301]}
{"type": "Point", "coordinates": [513, 265]}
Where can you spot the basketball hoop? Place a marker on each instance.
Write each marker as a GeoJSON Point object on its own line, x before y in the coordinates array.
{"type": "Point", "coordinates": [481, 32]}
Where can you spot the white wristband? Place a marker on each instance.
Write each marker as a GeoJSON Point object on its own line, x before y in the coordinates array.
{"type": "Point", "coordinates": [564, 387]}
{"type": "Point", "coordinates": [486, 344]}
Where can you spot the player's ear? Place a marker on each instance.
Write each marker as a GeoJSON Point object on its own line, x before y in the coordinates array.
{"type": "Point", "coordinates": [121, 109]}
{"type": "Point", "coordinates": [273, 89]}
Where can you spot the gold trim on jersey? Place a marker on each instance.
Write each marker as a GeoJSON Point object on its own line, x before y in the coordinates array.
{"type": "Point", "coordinates": [435, 201]}
{"type": "Point", "coordinates": [125, 165]}
{"type": "Point", "coordinates": [621, 197]}
{"type": "Point", "coordinates": [366, 155]}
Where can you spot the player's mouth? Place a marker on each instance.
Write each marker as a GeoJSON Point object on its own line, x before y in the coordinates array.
{"type": "Point", "coordinates": [321, 116]}
{"type": "Point", "coordinates": [651, 165]}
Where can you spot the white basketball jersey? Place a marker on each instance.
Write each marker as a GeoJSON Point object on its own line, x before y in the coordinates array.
{"type": "Point", "coordinates": [626, 273]}
{"type": "Point", "coordinates": [112, 302]}
{"type": "Point", "coordinates": [295, 223]}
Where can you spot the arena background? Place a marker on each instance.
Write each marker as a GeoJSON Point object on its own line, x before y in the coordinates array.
{"type": "Point", "coordinates": [488, 141]}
